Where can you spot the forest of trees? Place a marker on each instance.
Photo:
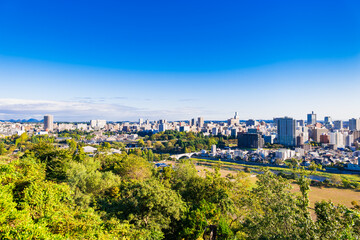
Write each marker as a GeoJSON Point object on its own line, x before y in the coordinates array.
{"type": "Point", "coordinates": [182, 142]}
{"type": "Point", "coordinates": [52, 193]}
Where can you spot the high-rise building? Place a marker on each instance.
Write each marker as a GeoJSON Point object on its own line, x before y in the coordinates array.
{"type": "Point", "coordinates": [300, 123]}
{"type": "Point", "coordinates": [184, 128]}
{"type": "Point", "coordinates": [201, 122]}
{"type": "Point", "coordinates": [236, 115]}
{"type": "Point", "coordinates": [311, 118]}
{"type": "Point", "coordinates": [302, 131]}
{"type": "Point", "coordinates": [317, 132]}
{"type": "Point", "coordinates": [327, 120]}
{"type": "Point", "coordinates": [234, 132]}
{"type": "Point", "coordinates": [349, 140]}
{"type": "Point", "coordinates": [285, 131]}
{"type": "Point", "coordinates": [299, 141]}
{"type": "Point", "coordinates": [213, 149]}
{"type": "Point", "coordinates": [215, 131]}
{"type": "Point", "coordinates": [250, 140]}
{"type": "Point", "coordinates": [338, 124]}
{"type": "Point", "coordinates": [270, 138]}
{"type": "Point", "coordinates": [234, 121]}
{"type": "Point", "coordinates": [162, 127]}
{"type": "Point", "coordinates": [98, 124]}
{"type": "Point", "coordinates": [193, 122]}
{"type": "Point", "coordinates": [337, 139]}
{"type": "Point", "coordinates": [356, 135]}
{"type": "Point", "coordinates": [141, 121]}
{"type": "Point", "coordinates": [354, 124]}
{"type": "Point", "coordinates": [48, 122]}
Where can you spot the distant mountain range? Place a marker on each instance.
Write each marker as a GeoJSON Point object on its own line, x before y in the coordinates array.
{"type": "Point", "coordinates": [31, 120]}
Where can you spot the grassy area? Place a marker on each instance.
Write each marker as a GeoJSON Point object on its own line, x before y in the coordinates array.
{"type": "Point", "coordinates": [349, 177]}
{"type": "Point", "coordinates": [336, 195]}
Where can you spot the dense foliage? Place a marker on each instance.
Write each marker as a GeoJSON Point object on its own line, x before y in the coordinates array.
{"type": "Point", "coordinates": [52, 193]}
{"type": "Point", "coordinates": [171, 141]}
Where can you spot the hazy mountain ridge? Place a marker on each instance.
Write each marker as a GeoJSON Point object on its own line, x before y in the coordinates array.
{"type": "Point", "coordinates": [31, 120]}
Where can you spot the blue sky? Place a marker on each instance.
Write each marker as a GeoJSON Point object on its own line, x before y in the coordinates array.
{"type": "Point", "coordinates": [121, 60]}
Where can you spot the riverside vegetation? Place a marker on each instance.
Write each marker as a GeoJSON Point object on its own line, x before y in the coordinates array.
{"type": "Point", "coordinates": [52, 193]}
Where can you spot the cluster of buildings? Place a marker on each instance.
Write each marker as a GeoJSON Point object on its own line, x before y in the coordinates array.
{"type": "Point", "coordinates": [331, 134]}
{"type": "Point", "coordinates": [325, 157]}
{"type": "Point", "coordinates": [49, 126]}
{"type": "Point", "coordinates": [285, 131]}
{"type": "Point", "coordinates": [324, 141]}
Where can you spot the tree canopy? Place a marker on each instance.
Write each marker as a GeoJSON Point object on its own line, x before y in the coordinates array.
{"type": "Point", "coordinates": [52, 193]}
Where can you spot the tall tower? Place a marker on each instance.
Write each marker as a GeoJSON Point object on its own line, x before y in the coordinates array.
{"type": "Point", "coordinates": [192, 122]}
{"type": "Point", "coordinates": [354, 124]}
{"type": "Point", "coordinates": [49, 122]}
{"type": "Point", "coordinates": [201, 122]}
{"type": "Point", "coordinates": [311, 118]}
{"type": "Point", "coordinates": [236, 115]}
{"type": "Point", "coordinates": [286, 131]}
{"type": "Point", "coordinates": [327, 120]}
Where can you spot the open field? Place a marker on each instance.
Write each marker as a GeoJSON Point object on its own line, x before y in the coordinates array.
{"type": "Point", "coordinates": [240, 166]}
{"type": "Point", "coordinates": [336, 195]}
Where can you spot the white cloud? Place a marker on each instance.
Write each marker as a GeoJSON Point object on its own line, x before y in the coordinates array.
{"type": "Point", "coordinates": [11, 108]}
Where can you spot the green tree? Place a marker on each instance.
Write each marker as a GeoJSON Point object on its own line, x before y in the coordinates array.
{"type": "Point", "coordinates": [54, 158]}
{"type": "Point", "coordinates": [275, 213]}
{"type": "Point", "coordinates": [133, 167]}
{"type": "Point", "coordinates": [72, 144]}
{"type": "Point", "coordinates": [314, 167]}
{"type": "Point", "coordinates": [336, 222]}
{"type": "Point", "coordinates": [215, 203]}
{"type": "Point", "coordinates": [335, 179]}
{"type": "Point", "coordinates": [146, 204]}
{"type": "Point", "coordinates": [141, 143]}
{"type": "Point", "coordinates": [2, 148]}
{"type": "Point", "coordinates": [87, 181]}
{"type": "Point", "coordinates": [34, 208]}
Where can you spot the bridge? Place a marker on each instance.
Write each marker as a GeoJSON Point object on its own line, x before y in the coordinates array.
{"type": "Point", "coordinates": [186, 155]}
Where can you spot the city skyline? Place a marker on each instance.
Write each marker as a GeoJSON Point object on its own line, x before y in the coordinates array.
{"type": "Point", "coordinates": [150, 61]}
{"type": "Point", "coordinates": [179, 119]}
{"type": "Point", "coordinates": [338, 123]}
